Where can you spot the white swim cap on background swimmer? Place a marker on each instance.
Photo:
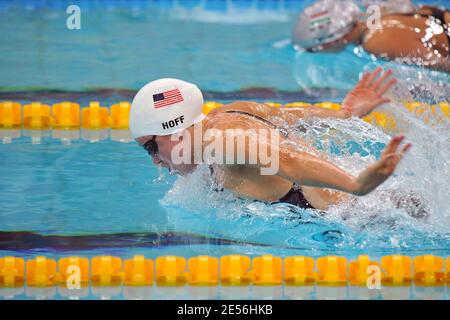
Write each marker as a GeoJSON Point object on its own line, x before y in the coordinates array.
{"type": "Point", "coordinates": [325, 21]}
{"type": "Point", "coordinates": [391, 6]}
{"type": "Point", "coordinates": [164, 107]}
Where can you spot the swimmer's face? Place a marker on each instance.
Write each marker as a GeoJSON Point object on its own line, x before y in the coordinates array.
{"type": "Point", "coordinates": [158, 147]}
{"type": "Point", "coordinates": [160, 150]}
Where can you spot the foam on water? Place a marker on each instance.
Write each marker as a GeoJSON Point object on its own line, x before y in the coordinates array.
{"type": "Point", "coordinates": [231, 15]}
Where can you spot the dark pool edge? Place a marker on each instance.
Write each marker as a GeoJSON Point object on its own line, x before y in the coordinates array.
{"type": "Point", "coordinates": [27, 240]}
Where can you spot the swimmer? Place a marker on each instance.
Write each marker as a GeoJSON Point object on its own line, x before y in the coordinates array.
{"type": "Point", "coordinates": [168, 107]}
{"type": "Point", "coordinates": [405, 34]}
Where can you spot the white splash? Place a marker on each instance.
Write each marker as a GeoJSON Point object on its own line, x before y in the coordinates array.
{"type": "Point", "coordinates": [232, 15]}
{"type": "Point", "coordinates": [372, 221]}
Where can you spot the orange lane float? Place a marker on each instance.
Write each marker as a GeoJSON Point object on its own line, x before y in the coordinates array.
{"type": "Point", "coordinates": [332, 271]}
{"type": "Point", "coordinates": [12, 272]}
{"type": "Point", "coordinates": [299, 271]}
{"type": "Point", "coordinates": [94, 116]}
{"type": "Point", "coordinates": [267, 270]}
{"type": "Point", "coordinates": [36, 116]}
{"type": "Point", "coordinates": [171, 271]}
{"type": "Point", "coordinates": [397, 270]}
{"type": "Point", "coordinates": [233, 270]}
{"type": "Point", "coordinates": [66, 115]}
{"type": "Point", "coordinates": [10, 115]}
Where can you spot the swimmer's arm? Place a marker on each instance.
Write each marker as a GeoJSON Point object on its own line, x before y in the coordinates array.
{"type": "Point", "coordinates": [308, 170]}
{"type": "Point", "coordinates": [363, 99]}
{"type": "Point", "coordinates": [301, 167]}
{"type": "Point", "coordinates": [267, 156]}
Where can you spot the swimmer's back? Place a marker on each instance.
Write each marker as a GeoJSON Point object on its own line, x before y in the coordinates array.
{"type": "Point", "coordinates": [402, 36]}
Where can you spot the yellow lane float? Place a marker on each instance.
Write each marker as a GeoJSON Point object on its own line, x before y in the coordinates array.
{"type": "Point", "coordinates": [210, 105]}
{"type": "Point", "coordinates": [328, 105]}
{"type": "Point", "coordinates": [447, 268]}
{"type": "Point", "coordinates": [273, 104]}
{"type": "Point", "coordinates": [332, 271]}
{"type": "Point", "coordinates": [429, 270]}
{"type": "Point", "coordinates": [267, 270]}
{"type": "Point", "coordinates": [381, 119]}
{"type": "Point", "coordinates": [73, 269]}
{"type": "Point", "coordinates": [444, 108]}
{"type": "Point", "coordinates": [119, 115]}
{"type": "Point", "coordinates": [10, 115]}
{"type": "Point", "coordinates": [36, 116]}
{"type": "Point", "coordinates": [106, 271]}
{"type": "Point", "coordinates": [41, 272]}
{"type": "Point", "coordinates": [234, 270]}
{"type": "Point", "coordinates": [397, 270]}
{"type": "Point", "coordinates": [12, 272]}
{"type": "Point", "coordinates": [66, 115]}
{"type": "Point", "coordinates": [138, 271]}
{"type": "Point", "coordinates": [94, 116]}
{"type": "Point", "coordinates": [203, 271]}
{"type": "Point", "coordinates": [361, 269]}
{"type": "Point", "coordinates": [299, 271]}
{"type": "Point", "coordinates": [298, 104]}
{"type": "Point", "coordinates": [171, 271]}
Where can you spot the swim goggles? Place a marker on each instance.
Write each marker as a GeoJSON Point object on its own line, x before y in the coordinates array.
{"type": "Point", "coordinates": [151, 146]}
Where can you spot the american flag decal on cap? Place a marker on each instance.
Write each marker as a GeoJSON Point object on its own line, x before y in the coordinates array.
{"type": "Point", "coordinates": [167, 98]}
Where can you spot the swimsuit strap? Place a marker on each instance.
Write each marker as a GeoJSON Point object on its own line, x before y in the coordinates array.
{"type": "Point", "coordinates": [283, 131]}
{"type": "Point", "coordinates": [253, 116]}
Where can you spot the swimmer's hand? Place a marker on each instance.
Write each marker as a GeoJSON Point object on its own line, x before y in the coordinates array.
{"type": "Point", "coordinates": [381, 170]}
{"type": "Point", "coordinates": [368, 93]}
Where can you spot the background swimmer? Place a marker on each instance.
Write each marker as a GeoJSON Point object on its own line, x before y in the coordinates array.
{"type": "Point", "coordinates": [420, 37]}
{"type": "Point", "coordinates": [303, 179]}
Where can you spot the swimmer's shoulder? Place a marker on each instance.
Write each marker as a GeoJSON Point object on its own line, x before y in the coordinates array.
{"type": "Point", "coordinates": [395, 38]}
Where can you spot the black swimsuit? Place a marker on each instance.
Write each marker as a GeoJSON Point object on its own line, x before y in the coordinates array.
{"type": "Point", "coordinates": [295, 196]}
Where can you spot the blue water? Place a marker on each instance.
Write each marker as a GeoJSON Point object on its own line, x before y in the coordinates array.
{"type": "Point", "coordinates": [219, 45]}
{"type": "Point", "coordinates": [108, 198]}
{"type": "Point", "coordinates": [109, 188]}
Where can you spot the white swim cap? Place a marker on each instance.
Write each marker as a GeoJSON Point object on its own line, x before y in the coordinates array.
{"type": "Point", "coordinates": [391, 6]}
{"type": "Point", "coordinates": [325, 21]}
{"type": "Point", "coordinates": [164, 107]}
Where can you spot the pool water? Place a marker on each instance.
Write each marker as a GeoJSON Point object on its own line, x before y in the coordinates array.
{"type": "Point", "coordinates": [106, 197]}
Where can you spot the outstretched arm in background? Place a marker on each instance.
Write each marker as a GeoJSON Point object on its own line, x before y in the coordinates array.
{"type": "Point", "coordinates": [364, 98]}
